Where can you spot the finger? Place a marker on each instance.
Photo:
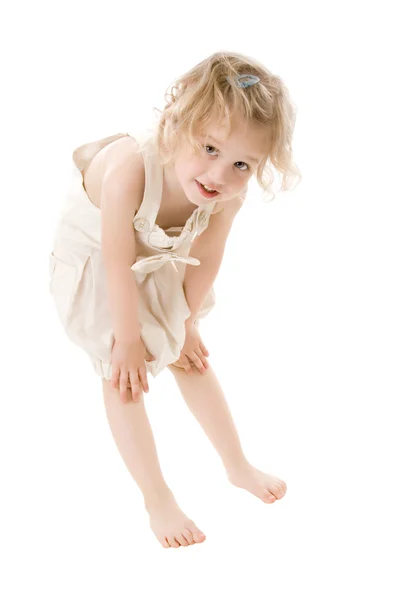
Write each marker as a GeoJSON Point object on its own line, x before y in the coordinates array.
{"type": "Point", "coordinates": [204, 361]}
{"type": "Point", "coordinates": [202, 357]}
{"type": "Point", "coordinates": [123, 386]}
{"type": "Point", "coordinates": [185, 364]}
{"type": "Point", "coordinates": [135, 386]}
{"type": "Point", "coordinates": [144, 379]}
{"type": "Point", "coordinates": [198, 363]}
{"type": "Point", "coordinates": [115, 376]}
{"type": "Point", "coordinates": [204, 350]}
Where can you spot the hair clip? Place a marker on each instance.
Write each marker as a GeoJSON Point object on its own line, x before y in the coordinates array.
{"type": "Point", "coordinates": [245, 80]}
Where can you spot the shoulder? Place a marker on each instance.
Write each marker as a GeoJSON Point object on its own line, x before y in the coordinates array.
{"type": "Point", "coordinates": [122, 167]}
{"type": "Point", "coordinates": [123, 156]}
{"type": "Point", "coordinates": [115, 172]}
{"type": "Point", "coordinates": [119, 154]}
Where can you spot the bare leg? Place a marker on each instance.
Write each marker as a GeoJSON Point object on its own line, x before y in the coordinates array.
{"type": "Point", "coordinates": [134, 439]}
{"type": "Point", "coordinates": [205, 399]}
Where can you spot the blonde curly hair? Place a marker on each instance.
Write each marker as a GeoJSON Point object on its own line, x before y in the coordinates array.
{"type": "Point", "coordinates": [205, 92]}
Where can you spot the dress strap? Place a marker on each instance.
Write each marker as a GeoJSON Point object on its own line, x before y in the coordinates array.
{"type": "Point", "coordinates": [83, 155]}
{"type": "Point", "coordinates": [145, 217]}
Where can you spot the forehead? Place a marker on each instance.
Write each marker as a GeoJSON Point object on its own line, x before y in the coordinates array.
{"type": "Point", "coordinates": [250, 139]}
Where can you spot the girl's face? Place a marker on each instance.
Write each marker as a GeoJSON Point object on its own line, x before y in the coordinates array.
{"type": "Point", "coordinates": [224, 163]}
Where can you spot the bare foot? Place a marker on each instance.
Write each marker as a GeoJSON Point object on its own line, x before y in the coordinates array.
{"type": "Point", "coordinates": [266, 487]}
{"type": "Point", "coordinates": [170, 525]}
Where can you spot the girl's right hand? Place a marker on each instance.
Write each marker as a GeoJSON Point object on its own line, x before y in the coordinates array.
{"type": "Point", "coordinates": [128, 367]}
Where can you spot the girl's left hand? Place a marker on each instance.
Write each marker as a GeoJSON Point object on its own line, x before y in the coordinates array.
{"type": "Point", "coordinates": [193, 350]}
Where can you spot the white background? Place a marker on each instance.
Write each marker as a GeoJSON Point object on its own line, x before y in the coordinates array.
{"type": "Point", "coordinates": [303, 338]}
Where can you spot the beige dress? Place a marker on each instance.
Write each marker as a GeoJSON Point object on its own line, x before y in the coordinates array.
{"type": "Point", "coordinates": [77, 276]}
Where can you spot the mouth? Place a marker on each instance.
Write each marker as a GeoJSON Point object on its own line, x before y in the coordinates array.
{"type": "Point", "coordinates": [205, 192]}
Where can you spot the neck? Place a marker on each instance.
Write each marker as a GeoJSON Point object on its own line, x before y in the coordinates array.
{"type": "Point", "coordinates": [172, 188]}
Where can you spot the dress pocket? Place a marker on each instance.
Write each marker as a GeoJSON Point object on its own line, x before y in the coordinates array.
{"type": "Point", "coordinates": [64, 283]}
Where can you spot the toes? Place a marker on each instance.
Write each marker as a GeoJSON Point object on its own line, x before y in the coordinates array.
{"type": "Point", "coordinates": [173, 542]}
{"type": "Point", "coordinates": [283, 487]}
{"type": "Point", "coordinates": [181, 539]}
{"type": "Point", "coordinates": [188, 536]}
{"type": "Point", "coordinates": [276, 490]}
{"type": "Point", "coordinates": [282, 484]}
{"type": "Point", "coordinates": [192, 533]}
{"type": "Point", "coordinates": [268, 497]}
{"type": "Point", "coordinates": [198, 535]}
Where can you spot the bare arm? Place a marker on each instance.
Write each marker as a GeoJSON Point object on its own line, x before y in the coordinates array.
{"type": "Point", "coordinates": [197, 283]}
{"type": "Point", "coordinates": [209, 248]}
{"type": "Point", "coordinates": [122, 192]}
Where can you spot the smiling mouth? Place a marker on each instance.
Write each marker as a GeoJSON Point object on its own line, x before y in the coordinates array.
{"type": "Point", "coordinates": [209, 192]}
{"type": "Point", "coordinates": [208, 189]}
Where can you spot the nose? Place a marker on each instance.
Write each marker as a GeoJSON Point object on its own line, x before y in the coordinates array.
{"type": "Point", "coordinates": [218, 176]}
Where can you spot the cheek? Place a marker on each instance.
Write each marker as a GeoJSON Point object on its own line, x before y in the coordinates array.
{"type": "Point", "coordinates": [188, 171]}
{"type": "Point", "coordinates": [195, 168]}
{"type": "Point", "coordinates": [244, 177]}
{"type": "Point", "coordinates": [240, 183]}
{"type": "Point", "coordinates": [182, 169]}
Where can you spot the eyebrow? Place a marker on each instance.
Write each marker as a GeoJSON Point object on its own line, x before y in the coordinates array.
{"type": "Point", "coordinates": [251, 158]}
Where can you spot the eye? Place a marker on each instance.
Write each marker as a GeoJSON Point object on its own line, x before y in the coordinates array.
{"type": "Point", "coordinates": [209, 147]}
{"type": "Point", "coordinates": [243, 163]}
{"type": "Point", "coordinates": [239, 162]}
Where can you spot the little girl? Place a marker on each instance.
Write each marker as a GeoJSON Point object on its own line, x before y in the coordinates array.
{"type": "Point", "coordinates": [137, 250]}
